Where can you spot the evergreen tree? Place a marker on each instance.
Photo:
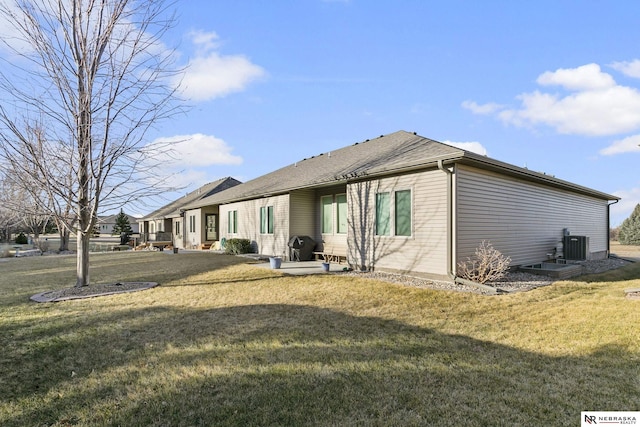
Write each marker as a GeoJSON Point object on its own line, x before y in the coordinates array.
{"type": "Point", "coordinates": [629, 233]}
{"type": "Point", "coordinates": [122, 225]}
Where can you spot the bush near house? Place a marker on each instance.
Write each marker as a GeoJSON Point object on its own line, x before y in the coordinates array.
{"type": "Point", "coordinates": [238, 246]}
{"type": "Point", "coordinates": [487, 265]}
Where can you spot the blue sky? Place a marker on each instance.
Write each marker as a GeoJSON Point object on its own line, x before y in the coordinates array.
{"type": "Point", "coordinates": [553, 86]}
{"type": "Point", "coordinates": [550, 85]}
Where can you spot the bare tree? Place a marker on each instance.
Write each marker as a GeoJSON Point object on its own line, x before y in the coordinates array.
{"type": "Point", "coordinates": [9, 217]}
{"type": "Point", "coordinates": [96, 76]}
{"type": "Point", "coordinates": [42, 173]}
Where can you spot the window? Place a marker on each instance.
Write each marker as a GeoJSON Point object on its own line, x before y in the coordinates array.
{"type": "Point", "coordinates": [192, 223]}
{"type": "Point", "coordinates": [152, 227]}
{"type": "Point", "coordinates": [233, 222]}
{"type": "Point", "coordinates": [266, 220]}
{"type": "Point", "coordinates": [327, 214]}
{"type": "Point", "coordinates": [177, 227]}
{"type": "Point", "coordinates": [383, 217]}
{"type": "Point", "coordinates": [403, 213]}
{"type": "Point", "coordinates": [341, 201]}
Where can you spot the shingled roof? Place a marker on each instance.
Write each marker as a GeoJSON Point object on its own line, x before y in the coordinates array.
{"type": "Point", "coordinates": [172, 210]}
{"type": "Point", "coordinates": [385, 155]}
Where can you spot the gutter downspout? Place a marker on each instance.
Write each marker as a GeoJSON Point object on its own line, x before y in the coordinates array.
{"type": "Point", "coordinates": [450, 272]}
{"type": "Point", "coordinates": [449, 173]}
{"type": "Point", "coordinates": [609, 226]}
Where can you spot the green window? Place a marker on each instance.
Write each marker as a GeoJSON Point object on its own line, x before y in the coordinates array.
{"type": "Point", "coordinates": [403, 213]}
{"type": "Point", "coordinates": [266, 220]}
{"type": "Point", "coordinates": [341, 201]}
{"type": "Point", "coordinates": [327, 214]}
{"type": "Point", "coordinates": [233, 222]}
{"type": "Point", "coordinates": [383, 214]}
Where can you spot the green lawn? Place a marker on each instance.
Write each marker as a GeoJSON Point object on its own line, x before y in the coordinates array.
{"type": "Point", "coordinates": [223, 343]}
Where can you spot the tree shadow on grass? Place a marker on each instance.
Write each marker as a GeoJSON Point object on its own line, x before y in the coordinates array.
{"type": "Point", "coordinates": [294, 365]}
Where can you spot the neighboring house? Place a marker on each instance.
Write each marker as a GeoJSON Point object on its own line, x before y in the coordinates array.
{"type": "Point", "coordinates": [406, 203]}
{"type": "Point", "coordinates": [170, 225]}
{"type": "Point", "coordinates": [106, 224]}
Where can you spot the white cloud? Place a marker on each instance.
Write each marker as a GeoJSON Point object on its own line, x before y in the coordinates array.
{"type": "Point", "coordinates": [210, 75]}
{"type": "Point", "coordinates": [204, 41]}
{"type": "Point", "coordinates": [586, 77]}
{"type": "Point", "coordinates": [189, 179]}
{"type": "Point", "coordinates": [594, 105]}
{"type": "Point", "coordinates": [621, 210]}
{"type": "Point", "coordinates": [475, 108]}
{"type": "Point", "coordinates": [592, 112]}
{"type": "Point", "coordinates": [631, 69]}
{"type": "Point", "coordinates": [474, 147]}
{"type": "Point", "coordinates": [187, 160]}
{"type": "Point", "coordinates": [197, 150]}
{"type": "Point", "coordinates": [626, 145]}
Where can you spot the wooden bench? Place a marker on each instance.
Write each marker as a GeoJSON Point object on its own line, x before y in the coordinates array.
{"type": "Point", "coordinates": [330, 257]}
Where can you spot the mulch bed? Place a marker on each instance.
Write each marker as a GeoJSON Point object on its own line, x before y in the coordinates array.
{"type": "Point", "coordinates": [92, 291]}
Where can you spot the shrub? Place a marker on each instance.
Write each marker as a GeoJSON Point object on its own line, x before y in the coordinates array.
{"type": "Point", "coordinates": [238, 246]}
{"type": "Point", "coordinates": [42, 244]}
{"type": "Point", "coordinates": [21, 239]}
{"type": "Point", "coordinates": [487, 265]}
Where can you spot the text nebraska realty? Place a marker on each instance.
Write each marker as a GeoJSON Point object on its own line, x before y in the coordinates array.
{"type": "Point", "coordinates": [610, 419]}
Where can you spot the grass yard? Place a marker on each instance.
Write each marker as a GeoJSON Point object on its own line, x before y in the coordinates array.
{"type": "Point", "coordinates": [226, 344]}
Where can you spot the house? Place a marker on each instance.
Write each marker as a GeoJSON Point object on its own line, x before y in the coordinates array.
{"type": "Point", "coordinates": [106, 223]}
{"type": "Point", "coordinates": [406, 203]}
{"type": "Point", "coordinates": [169, 225]}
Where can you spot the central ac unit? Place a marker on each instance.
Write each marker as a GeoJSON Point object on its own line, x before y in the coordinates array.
{"type": "Point", "coordinates": [576, 248]}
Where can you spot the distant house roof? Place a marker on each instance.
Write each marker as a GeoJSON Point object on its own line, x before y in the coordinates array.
{"type": "Point", "coordinates": [111, 219]}
{"type": "Point", "coordinates": [172, 210]}
{"type": "Point", "coordinates": [395, 153]}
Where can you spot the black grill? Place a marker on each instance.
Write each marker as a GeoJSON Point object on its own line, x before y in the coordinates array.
{"type": "Point", "coordinates": [301, 248]}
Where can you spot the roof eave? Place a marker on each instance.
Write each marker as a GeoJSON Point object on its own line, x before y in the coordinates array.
{"type": "Point", "coordinates": [529, 175]}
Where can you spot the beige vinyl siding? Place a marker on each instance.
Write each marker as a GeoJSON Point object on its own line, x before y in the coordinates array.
{"type": "Point", "coordinates": [192, 238]}
{"type": "Point", "coordinates": [333, 242]}
{"type": "Point", "coordinates": [521, 219]}
{"type": "Point", "coordinates": [302, 213]}
{"type": "Point", "coordinates": [425, 251]}
{"type": "Point", "coordinates": [249, 224]}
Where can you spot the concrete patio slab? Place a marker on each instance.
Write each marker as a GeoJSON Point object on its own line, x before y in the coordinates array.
{"type": "Point", "coordinates": [300, 268]}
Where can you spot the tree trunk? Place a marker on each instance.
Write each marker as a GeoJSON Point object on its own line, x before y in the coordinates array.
{"type": "Point", "coordinates": [64, 239]}
{"type": "Point", "coordinates": [83, 259]}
